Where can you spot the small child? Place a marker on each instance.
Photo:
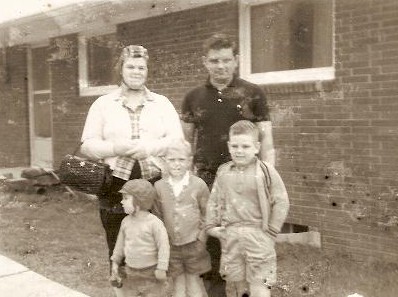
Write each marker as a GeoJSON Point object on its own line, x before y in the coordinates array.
{"type": "Point", "coordinates": [247, 207]}
{"type": "Point", "coordinates": [143, 243]}
{"type": "Point", "coordinates": [181, 204]}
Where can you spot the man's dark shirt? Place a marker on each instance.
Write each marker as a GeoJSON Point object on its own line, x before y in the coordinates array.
{"type": "Point", "coordinates": [212, 112]}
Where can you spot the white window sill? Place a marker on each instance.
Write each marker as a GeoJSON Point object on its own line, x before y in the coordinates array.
{"type": "Point", "coordinates": [291, 76]}
{"type": "Point", "coordinates": [96, 91]}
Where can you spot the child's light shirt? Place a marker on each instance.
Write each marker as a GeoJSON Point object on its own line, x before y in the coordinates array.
{"type": "Point", "coordinates": [240, 196]}
{"type": "Point", "coordinates": [143, 241]}
{"type": "Point", "coordinates": [183, 214]}
{"type": "Point", "coordinates": [250, 197]}
{"type": "Point", "coordinates": [177, 186]}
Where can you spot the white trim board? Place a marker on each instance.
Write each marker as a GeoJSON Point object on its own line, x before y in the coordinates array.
{"type": "Point", "coordinates": [97, 16]}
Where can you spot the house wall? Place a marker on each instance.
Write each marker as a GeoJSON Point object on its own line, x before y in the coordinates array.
{"type": "Point", "coordinates": [69, 110]}
{"type": "Point", "coordinates": [336, 141]}
{"type": "Point", "coordinates": [14, 111]}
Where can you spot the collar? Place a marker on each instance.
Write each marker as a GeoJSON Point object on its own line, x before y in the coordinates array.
{"type": "Point", "coordinates": [183, 182]}
{"type": "Point", "coordinates": [232, 83]}
{"type": "Point", "coordinates": [118, 95]}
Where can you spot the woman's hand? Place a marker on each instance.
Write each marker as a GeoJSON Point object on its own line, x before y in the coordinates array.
{"type": "Point", "coordinates": [134, 148]}
{"type": "Point", "coordinates": [139, 151]}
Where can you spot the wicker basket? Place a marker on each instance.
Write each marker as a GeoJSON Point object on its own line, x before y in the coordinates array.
{"type": "Point", "coordinates": [91, 177]}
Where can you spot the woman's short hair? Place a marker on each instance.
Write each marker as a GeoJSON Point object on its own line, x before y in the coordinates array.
{"type": "Point", "coordinates": [220, 41]}
{"type": "Point", "coordinates": [245, 127]}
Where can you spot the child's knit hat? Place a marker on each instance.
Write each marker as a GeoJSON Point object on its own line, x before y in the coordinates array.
{"type": "Point", "coordinates": [142, 190]}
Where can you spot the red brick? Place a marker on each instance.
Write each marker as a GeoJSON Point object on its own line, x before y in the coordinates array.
{"type": "Point", "coordinates": [358, 64]}
{"type": "Point", "coordinates": [389, 23]}
{"type": "Point", "coordinates": [385, 77]}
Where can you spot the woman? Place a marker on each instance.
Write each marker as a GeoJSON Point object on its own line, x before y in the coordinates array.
{"type": "Point", "coordinates": [128, 129]}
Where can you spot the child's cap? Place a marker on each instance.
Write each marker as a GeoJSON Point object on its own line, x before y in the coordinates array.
{"type": "Point", "coordinates": [142, 190]}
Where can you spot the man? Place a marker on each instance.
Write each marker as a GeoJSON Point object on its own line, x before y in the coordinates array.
{"type": "Point", "coordinates": [207, 113]}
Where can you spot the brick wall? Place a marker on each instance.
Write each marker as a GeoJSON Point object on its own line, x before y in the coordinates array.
{"type": "Point", "coordinates": [14, 112]}
{"type": "Point", "coordinates": [69, 110]}
{"type": "Point", "coordinates": [337, 141]}
{"type": "Point", "coordinates": [367, 64]}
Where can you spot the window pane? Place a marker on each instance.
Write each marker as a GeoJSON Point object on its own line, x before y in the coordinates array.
{"type": "Point", "coordinates": [40, 68]}
{"type": "Point", "coordinates": [288, 35]}
{"type": "Point", "coordinates": [101, 54]}
{"type": "Point", "coordinates": [42, 115]}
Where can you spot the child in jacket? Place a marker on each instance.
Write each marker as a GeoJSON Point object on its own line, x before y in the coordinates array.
{"type": "Point", "coordinates": [247, 208]}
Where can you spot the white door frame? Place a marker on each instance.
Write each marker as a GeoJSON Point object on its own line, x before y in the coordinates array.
{"type": "Point", "coordinates": [34, 160]}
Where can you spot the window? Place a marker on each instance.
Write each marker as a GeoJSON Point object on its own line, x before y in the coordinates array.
{"type": "Point", "coordinates": [286, 41]}
{"type": "Point", "coordinates": [97, 58]}
{"type": "Point", "coordinates": [41, 93]}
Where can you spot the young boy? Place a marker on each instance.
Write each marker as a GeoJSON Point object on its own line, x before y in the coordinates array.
{"type": "Point", "coordinates": [247, 207]}
{"type": "Point", "coordinates": [143, 243]}
{"type": "Point", "coordinates": [181, 204]}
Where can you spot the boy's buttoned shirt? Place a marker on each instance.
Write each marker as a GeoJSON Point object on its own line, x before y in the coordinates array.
{"type": "Point", "coordinates": [270, 199]}
{"type": "Point", "coordinates": [183, 214]}
{"type": "Point", "coordinates": [178, 186]}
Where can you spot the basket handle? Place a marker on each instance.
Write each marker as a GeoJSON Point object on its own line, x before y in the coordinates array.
{"type": "Point", "coordinates": [77, 148]}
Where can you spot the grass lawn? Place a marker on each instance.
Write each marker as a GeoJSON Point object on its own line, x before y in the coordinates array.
{"type": "Point", "coordinates": [61, 238]}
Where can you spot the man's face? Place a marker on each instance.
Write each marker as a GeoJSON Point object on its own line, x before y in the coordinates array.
{"type": "Point", "coordinates": [221, 64]}
{"type": "Point", "coordinates": [243, 149]}
{"type": "Point", "coordinates": [135, 72]}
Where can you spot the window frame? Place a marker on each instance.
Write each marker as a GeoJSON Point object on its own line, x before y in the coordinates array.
{"type": "Point", "coordinates": [84, 88]}
{"type": "Point", "coordinates": [276, 77]}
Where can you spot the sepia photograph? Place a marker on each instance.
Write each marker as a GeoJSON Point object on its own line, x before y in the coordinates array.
{"type": "Point", "coordinates": [199, 148]}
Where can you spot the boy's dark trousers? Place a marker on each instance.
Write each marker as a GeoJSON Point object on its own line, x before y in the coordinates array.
{"type": "Point", "coordinates": [214, 284]}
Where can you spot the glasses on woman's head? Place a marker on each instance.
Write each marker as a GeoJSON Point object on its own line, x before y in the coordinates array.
{"type": "Point", "coordinates": [135, 51]}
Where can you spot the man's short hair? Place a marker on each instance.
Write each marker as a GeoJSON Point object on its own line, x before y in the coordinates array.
{"type": "Point", "coordinates": [245, 127]}
{"type": "Point", "coordinates": [180, 145]}
{"type": "Point", "coordinates": [220, 41]}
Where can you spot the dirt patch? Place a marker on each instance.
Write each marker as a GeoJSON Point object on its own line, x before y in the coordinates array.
{"type": "Point", "coordinates": [60, 237]}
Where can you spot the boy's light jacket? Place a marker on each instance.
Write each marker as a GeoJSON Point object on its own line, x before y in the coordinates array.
{"type": "Point", "coordinates": [273, 198]}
